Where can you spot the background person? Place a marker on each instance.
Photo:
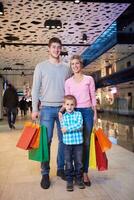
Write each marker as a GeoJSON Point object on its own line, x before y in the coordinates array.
{"type": "Point", "coordinates": [72, 127]}
{"type": "Point", "coordinates": [23, 106]}
{"type": "Point", "coordinates": [10, 102]}
{"type": "Point", "coordinates": [48, 87]}
{"type": "Point", "coordinates": [83, 88]}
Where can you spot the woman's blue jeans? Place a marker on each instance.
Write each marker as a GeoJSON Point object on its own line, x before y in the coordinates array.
{"type": "Point", "coordinates": [48, 117]}
{"type": "Point", "coordinates": [88, 115]}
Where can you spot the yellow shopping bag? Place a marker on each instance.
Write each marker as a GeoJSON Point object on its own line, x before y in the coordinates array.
{"type": "Point", "coordinates": [92, 153]}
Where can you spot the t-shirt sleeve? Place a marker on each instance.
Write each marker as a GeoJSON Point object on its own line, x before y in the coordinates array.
{"type": "Point", "coordinates": [36, 88]}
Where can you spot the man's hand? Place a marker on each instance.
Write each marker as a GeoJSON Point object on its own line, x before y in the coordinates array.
{"type": "Point", "coordinates": [34, 115]}
{"type": "Point", "coordinates": [64, 130]}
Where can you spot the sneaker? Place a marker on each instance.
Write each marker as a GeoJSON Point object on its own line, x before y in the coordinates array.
{"type": "Point", "coordinates": [80, 184]}
{"type": "Point", "coordinates": [45, 182]}
{"type": "Point", "coordinates": [61, 174]}
{"type": "Point", "coordinates": [70, 187]}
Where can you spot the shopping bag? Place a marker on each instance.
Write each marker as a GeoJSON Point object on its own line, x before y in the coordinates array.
{"type": "Point", "coordinates": [92, 157]}
{"type": "Point", "coordinates": [101, 158]}
{"type": "Point", "coordinates": [35, 140]}
{"type": "Point", "coordinates": [113, 139]}
{"type": "Point", "coordinates": [28, 134]}
{"type": "Point", "coordinates": [40, 154]}
{"type": "Point", "coordinates": [103, 140]}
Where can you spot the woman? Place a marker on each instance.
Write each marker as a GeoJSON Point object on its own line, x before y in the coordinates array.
{"type": "Point", "coordinates": [83, 88]}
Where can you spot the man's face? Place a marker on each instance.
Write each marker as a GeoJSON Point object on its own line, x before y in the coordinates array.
{"type": "Point", "coordinates": [55, 50]}
{"type": "Point", "coordinates": [69, 105]}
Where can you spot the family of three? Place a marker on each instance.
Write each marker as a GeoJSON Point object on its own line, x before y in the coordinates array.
{"type": "Point", "coordinates": [53, 84]}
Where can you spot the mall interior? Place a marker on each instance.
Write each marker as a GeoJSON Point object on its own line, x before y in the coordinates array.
{"type": "Point", "coordinates": [102, 32]}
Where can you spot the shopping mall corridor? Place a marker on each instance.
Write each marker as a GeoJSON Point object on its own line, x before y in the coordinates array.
{"type": "Point", "coordinates": [20, 177]}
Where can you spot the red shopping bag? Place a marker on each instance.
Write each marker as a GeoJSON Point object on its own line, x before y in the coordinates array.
{"type": "Point", "coordinates": [101, 158]}
{"type": "Point", "coordinates": [103, 140]}
{"type": "Point", "coordinates": [28, 136]}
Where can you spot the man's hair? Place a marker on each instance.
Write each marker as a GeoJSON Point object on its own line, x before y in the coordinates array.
{"type": "Point", "coordinates": [70, 97]}
{"type": "Point", "coordinates": [77, 57]}
{"type": "Point", "coordinates": [54, 40]}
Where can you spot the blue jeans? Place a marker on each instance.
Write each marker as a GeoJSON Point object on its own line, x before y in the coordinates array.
{"type": "Point", "coordinates": [87, 114]}
{"type": "Point", "coordinates": [73, 153]}
{"type": "Point", "coordinates": [48, 116]}
{"type": "Point", "coordinates": [11, 116]}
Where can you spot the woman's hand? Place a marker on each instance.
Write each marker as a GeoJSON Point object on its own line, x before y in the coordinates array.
{"type": "Point", "coordinates": [60, 115]}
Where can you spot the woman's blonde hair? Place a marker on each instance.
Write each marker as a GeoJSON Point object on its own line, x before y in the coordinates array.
{"type": "Point", "coordinates": [77, 57]}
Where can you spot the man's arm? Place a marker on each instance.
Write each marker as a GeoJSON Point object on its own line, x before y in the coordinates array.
{"type": "Point", "coordinates": [36, 92]}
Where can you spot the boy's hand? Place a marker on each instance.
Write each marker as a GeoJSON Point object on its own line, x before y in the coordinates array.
{"type": "Point", "coordinates": [64, 130]}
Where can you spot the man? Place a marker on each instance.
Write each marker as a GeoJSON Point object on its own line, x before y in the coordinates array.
{"type": "Point", "coordinates": [10, 102]}
{"type": "Point", "coordinates": [48, 88]}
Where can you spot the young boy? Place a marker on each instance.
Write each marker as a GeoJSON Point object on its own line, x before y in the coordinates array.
{"type": "Point", "coordinates": [71, 126]}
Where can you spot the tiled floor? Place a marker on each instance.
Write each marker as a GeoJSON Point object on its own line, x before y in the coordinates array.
{"type": "Point", "coordinates": [20, 177]}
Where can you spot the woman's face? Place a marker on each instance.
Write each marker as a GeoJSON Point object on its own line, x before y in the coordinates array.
{"type": "Point", "coordinates": [76, 66]}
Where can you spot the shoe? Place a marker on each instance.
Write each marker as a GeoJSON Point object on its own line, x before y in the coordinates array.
{"type": "Point", "coordinates": [80, 184]}
{"type": "Point", "coordinates": [61, 174]}
{"type": "Point", "coordinates": [86, 180]}
{"type": "Point", "coordinates": [45, 182]}
{"type": "Point", "coordinates": [13, 127]}
{"type": "Point", "coordinates": [87, 183]}
{"type": "Point", "coordinates": [70, 187]}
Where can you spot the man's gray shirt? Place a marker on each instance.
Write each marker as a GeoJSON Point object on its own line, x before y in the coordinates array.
{"type": "Point", "coordinates": [48, 84]}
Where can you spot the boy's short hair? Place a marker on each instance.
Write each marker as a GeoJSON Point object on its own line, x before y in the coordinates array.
{"type": "Point", "coordinates": [54, 40]}
{"type": "Point", "coordinates": [70, 97]}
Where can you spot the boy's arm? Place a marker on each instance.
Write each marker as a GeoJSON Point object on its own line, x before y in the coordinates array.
{"type": "Point", "coordinates": [63, 125]}
{"type": "Point", "coordinates": [78, 125]}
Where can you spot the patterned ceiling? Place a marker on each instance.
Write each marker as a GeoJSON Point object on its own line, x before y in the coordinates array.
{"type": "Point", "coordinates": [23, 22]}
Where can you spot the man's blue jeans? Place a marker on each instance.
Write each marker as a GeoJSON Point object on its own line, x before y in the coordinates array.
{"type": "Point", "coordinates": [87, 114]}
{"type": "Point", "coordinates": [48, 116]}
{"type": "Point", "coordinates": [73, 160]}
{"type": "Point", "coordinates": [11, 115]}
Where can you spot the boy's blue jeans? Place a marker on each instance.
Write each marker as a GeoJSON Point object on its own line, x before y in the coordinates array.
{"type": "Point", "coordinates": [73, 160]}
{"type": "Point", "coordinates": [48, 116]}
{"type": "Point", "coordinates": [87, 114]}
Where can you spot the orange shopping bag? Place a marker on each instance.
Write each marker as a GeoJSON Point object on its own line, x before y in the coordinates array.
{"type": "Point", "coordinates": [28, 137]}
{"type": "Point", "coordinates": [36, 138]}
{"type": "Point", "coordinates": [103, 140]}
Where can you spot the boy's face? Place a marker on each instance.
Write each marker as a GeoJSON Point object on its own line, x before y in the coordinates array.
{"type": "Point", "coordinates": [69, 105]}
{"type": "Point", "coordinates": [55, 50]}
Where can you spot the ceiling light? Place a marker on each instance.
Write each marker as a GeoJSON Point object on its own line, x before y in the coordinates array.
{"type": "Point", "coordinates": [2, 45]}
{"type": "Point", "coordinates": [64, 53]}
{"type": "Point", "coordinates": [7, 69]}
{"type": "Point", "coordinates": [76, 1]}
{"type": "Point", "coordinates": [51, 24]}
{"type": "Point", "coordinates": [1, 9]}
{"type": "Point", "coordinates": [22, 74]}
{"type": "Point", "coordinates": [84, 38]}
